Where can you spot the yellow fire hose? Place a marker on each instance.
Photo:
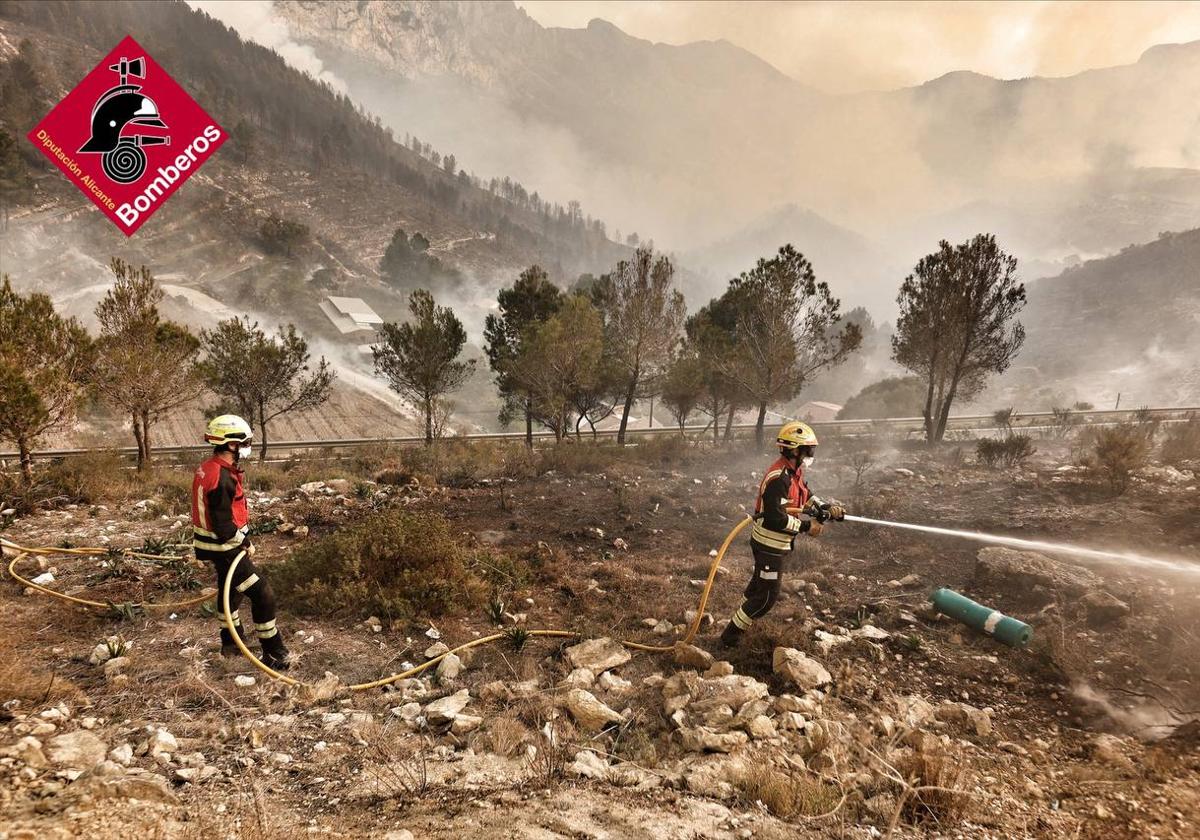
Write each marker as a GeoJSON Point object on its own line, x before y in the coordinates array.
{"type": "Point", "coordinates": [227, 615]}
{"type": "Point", "coordinates": [25, 551]}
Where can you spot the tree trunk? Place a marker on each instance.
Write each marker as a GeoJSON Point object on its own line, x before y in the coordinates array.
{"type": "Point", "coordinates": [429, 422]}
{"type": "Point", "coordinates": [651, 424]}
{"type": "Point", "coordinates": [26, 461]}
{"type": "Point", "coordinates": [137, 436]}
{"type": "Point", "coordinates": [262, 426]}
{"type": "Point", "coordinates": [625, 417]}
{"type": "Point", "coordinates": [529, 422]}
{"type": "Point", "coordinates": [927, 413]}
{"type": "Point", "coordinates": [758, 424]}
{"type": "Point", "coordinates": [146, 437]}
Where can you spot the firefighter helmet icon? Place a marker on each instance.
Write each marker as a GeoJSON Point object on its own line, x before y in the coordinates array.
{"type": "Point", "coordinates": [118, 109]}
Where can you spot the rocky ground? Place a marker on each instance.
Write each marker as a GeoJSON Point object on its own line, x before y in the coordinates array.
{"type": "Point", "coordinates": [852, 710]}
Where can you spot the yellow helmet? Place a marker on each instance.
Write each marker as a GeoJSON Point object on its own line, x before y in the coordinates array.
{"type": "Point", "coordinates": [796, 434]}
{"type": "Point", "coordinates": [228, 428]}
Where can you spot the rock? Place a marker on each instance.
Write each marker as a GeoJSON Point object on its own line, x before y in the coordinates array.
{"type": "Point", "coordinates": [597, 655]}
{"type": "Point", "coordinates": [1103, 609]}
{"type": "Point", "coordinates": [463, 724]}
{"type": "Point", "coordinates": [244, 681]}
{"type": "Point", "coordinates": [399, 834]}
{"type": "Point", "coordinates": [703, 739]}
{"type": "Point", "coordinates": [446, 709]}
{"type": "Point", "coordinates": [1021, 571]}
{"type": "Point", "coordinates": [331, 719]}
{"type": "Point", "coordinates": [1011, 747]}
{"type": "Point", "coordinates": [761, 727]}
{"type": "Point", "coordinates": [590, 713]}
{"type": "Point", "coordinates": [871, 632]}
{"type": "Point", "coordinates": [588, 765]}
{"type": "Point", "coordinates": [495, 692]}
{"type": "Point", "coordinates": [408, 713]}
{"type": "Point", "coordinates": [826, 642]}
{"type": "Point", "coordinates": [144, 787]}
{"type": "Point", "coordinates": [610, 682]}
{"type": "Point", "coordinates": [913, 710]}
{"type": "Point", "coordinates": [300, 532]}
{"type": "Point", "coordinates": [195, 774]}
{"type": "Point", "coordinates": [122, 754]}
{"type": "Point", "coordinates": [29, 751]}
{"type": "Point", "coordinates": [100, 654]}
{"type": "Point", "coordinates": [1106, 749]}
{"type": "Point", "coordinates": [579, 678]}
{"type": "Point", "coordinates": [688, 687]}
{"type": "Point", "coordinates": [449, 668]}
{"type": "Point", "coordinates": [719, 669]}
{"type": "Point", "coordinates": [312, 488]}
{"type": "Point", "coordinates": [162, 742]}
{"type": "Point", "coordinates": [436, 649]}
{"type": "Point", "coordinates": [968, 717]}
{"type": "Point", "coordinates": [798, 669]}
{"type": "Point", "coordinates": [716, 776]}
{"type": "Point", "coordinates": [691, 656]}
{"type": "Point", "coordinates": [340, 485]}
{"type": "Point", "coordinates": [903, 472]}
{"type": "Point", "coordinates": [80, 749]}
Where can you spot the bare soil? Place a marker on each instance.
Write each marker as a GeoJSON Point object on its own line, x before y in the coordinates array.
{"type": "Point", "coordinates": [618, 548]}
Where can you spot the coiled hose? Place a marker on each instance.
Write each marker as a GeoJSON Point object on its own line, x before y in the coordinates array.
{"type": "Point", "coordinates": [227, 615]}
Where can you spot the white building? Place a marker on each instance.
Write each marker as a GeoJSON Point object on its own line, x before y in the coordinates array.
{"type": "Point", "coordinates": [350, 315]}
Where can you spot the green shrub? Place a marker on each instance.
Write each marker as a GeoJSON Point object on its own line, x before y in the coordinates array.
{"type": "Point", "coordinates": [1010, 451]}
{"type": "Point", "coordinates": [1182, 442]}
{"type": "Point", "coordinates": [394, 564]}
{"type": "Point", "coordinates": [98, 476]}
{"type": "Point", "coordinates": [1118, 452]}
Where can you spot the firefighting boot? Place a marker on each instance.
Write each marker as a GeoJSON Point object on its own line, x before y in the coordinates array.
{"type": "Point", "coordinates": [228, 646]}
{"type": "Point", "coordinates": [731, 636]}
{"type": "Point", "coordinates": [274, 653]}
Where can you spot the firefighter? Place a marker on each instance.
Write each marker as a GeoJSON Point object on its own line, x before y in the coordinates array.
{"type": "Point", "coordinates": [219, 535]}
{"type": "Point", "coordinates": [775, 529]}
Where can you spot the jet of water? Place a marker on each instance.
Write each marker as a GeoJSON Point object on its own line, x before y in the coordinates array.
{"type": "Point", "coordinates": [1128, 558]}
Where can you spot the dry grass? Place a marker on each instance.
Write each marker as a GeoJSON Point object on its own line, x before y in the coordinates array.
{"type": "Point", "coordinates": [935, 793]}
{"type": "Point", "coordinates": [787, 794]}
{"type": "Point", "coordinates": [507, 736]}
{"type": "Point", "coordinates": [22, 680]}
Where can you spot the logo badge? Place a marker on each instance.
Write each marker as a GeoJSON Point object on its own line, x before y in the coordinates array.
{"type": "Point", "coordinates": [128, 136]}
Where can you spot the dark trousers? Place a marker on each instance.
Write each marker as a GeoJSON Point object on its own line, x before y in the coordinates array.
{"type": "Point", "coordinates": [247, 582]}
{"type": "Point", "coordinates": [763, 590]}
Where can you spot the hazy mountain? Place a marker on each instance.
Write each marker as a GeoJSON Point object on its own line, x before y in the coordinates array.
{"type": "Point", "coordinates": [1127, 324]}
{"type": "Point", "coordinates": [692, 144]}
{"type": "Point", "coordinates": [297, 149]}
{"type": "Point", "coordinates": [857, 268]}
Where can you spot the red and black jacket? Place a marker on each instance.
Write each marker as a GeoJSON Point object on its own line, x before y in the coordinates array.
{"type": "Point", "coordinates": [782, 487]}
{"type": "Point", "coordinates": [219, 514]}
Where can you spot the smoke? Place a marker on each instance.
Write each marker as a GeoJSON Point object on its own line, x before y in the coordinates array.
{"type": "Point", "coordinates": [257, 21]}
{"type": "Point", "coordinates": [1148, 719]}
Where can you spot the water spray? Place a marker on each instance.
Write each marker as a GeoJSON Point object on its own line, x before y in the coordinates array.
{"type": "Point", "coordinates": [1127, 558]}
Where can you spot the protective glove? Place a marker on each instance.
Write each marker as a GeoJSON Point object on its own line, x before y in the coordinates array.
{"type": "Point", "coordinates": [248, 547]}
{"type": "Point", "coordinates": [812, 527]}
{"type": "Point", "coordinates": [836, 511]}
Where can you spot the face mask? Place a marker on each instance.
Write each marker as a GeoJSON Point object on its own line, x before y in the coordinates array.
{"type": "Point", "coordinates": [807, 461]}
{"type": "Point", "coordinates": [244, 451]}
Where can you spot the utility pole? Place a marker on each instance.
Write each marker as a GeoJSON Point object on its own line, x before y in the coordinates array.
{"type": "Point", "coordinates": [651, 426]}
{"type": "Point", "coordinates": [1118, 405]}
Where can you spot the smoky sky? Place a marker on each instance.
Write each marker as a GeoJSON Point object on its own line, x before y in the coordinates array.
{"type": "Point", "coordinates": [840, 47]}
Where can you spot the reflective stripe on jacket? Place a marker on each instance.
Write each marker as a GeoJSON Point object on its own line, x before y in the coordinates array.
{"type": "Point", "coordinates": [219, 514]}
{"type": "Point", "coordinates": [781, 488]}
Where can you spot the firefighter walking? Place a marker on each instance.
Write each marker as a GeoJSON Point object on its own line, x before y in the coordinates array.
{"type": "Point", "coordinates": [220, 520]}
{"type": "Point", "coordinates": [784, 486]}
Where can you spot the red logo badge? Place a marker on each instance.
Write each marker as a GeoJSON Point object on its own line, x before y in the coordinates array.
{"type": "Point", "coordinates": [128, 136]}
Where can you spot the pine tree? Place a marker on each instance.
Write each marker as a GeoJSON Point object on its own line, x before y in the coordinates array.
{"type": "Point", "coordinates": [44, 360]}
{"type": "Point", "coordinates": [262, 376]}
{"type": "Point", "coordinates": [144, 365]}
{"type": "Point", "coordinates": [419, 359]}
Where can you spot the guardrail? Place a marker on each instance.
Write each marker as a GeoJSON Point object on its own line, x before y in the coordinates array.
{"type": "Point", "coordinates": [961, 422]}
